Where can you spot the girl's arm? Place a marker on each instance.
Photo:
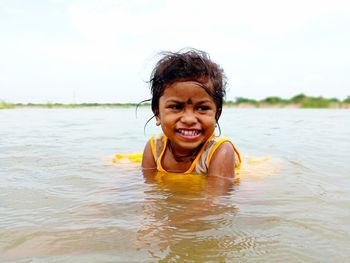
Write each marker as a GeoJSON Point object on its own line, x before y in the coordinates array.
{"type": "Point", "coordinates": [222, 163]}
{"type": "Point", "coordinates": [147, 158]}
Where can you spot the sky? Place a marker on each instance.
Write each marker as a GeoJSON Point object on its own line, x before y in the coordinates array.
{"type": "Point", "coordinates": [103, 51]}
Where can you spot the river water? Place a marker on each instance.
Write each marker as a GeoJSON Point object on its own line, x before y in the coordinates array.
{"type": "Point", "coordinates": [62, 199]}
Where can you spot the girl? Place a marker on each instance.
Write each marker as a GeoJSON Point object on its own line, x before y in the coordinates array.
{"type": "Point", "coordinates": [187, 96]}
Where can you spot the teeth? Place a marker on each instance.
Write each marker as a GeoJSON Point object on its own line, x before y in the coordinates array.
{"type": "Point", "coordinates": [188, 132]}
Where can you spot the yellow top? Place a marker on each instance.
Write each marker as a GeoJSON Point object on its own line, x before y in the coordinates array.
{"type": "Point", "coordinates": [201, 163]}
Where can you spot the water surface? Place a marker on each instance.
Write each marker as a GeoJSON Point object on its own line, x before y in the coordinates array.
{"type": "Point", "coordinates": [63, 200]}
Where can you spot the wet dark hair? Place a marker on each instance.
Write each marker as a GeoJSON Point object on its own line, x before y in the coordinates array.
{"type": "Point", "coordinates": [188, 65]}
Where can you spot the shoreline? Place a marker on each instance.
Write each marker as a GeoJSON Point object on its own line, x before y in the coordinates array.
{"type": "Point", "coordinates": [299, 101]}
{"type": "Point", "coordinates": [244, 105]}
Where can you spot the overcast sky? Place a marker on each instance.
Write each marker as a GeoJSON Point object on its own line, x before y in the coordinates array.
{"type": "Point", "coordinates": [104, 50]}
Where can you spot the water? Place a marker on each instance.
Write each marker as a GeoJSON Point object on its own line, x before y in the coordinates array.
{"type": "Point", "coordinates": [62, 199]}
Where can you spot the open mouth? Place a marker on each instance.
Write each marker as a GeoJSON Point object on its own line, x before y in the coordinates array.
{"type": "Point", "coordinates": [189, 132]}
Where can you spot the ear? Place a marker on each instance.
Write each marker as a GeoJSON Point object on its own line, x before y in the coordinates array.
{"type": "Point", "coordinates": [157, 120]}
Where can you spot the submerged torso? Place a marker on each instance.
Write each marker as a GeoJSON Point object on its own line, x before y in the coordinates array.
{"type": "Point", "coordinates": [201, 162]}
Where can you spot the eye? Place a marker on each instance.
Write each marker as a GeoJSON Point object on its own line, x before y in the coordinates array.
{"type": "Point", "coordinates": [175, 106]}
{"type": "Point", "coordinates": [203, 108]}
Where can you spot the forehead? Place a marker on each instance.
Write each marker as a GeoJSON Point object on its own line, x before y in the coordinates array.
{"type": "Point", "coordinates": [185, 90]}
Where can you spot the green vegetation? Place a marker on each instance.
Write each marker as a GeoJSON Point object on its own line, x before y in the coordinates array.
{"type": "Point", "coordinates": [313, 102]}
{"type": "Point", "coordinates": [347, 100]}
{"type": "Point", "coordinates": [49, 105]}
{"type": "Point", "coordinates": [5, 105]}
{"type": "Point", "coordinates": [298, 101]}
{"type": "Point", "coordinates": [274, 100]}
{"type": "Point", "coordinates": [298, 98]}
{"type": "Point", "coordinates": [240, 100]}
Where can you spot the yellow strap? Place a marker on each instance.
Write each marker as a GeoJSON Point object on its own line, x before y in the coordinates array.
{"type": "Point", "coordinates": [217, 144]}
{"type": "Point", "coordinates": [193, 165]}
{"type": "Point", "coordinates": [238, 155]}
{"type": "Point", "coordinates": [159, 161]}
{"type": "Point", "coordinates": [153, 148]}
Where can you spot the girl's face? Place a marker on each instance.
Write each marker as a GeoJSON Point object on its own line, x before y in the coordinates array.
{"type": "Point", "coordinates": [186, 115]}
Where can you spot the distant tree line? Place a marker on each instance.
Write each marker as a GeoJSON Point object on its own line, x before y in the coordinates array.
{"type": "Point", "coordinates": [6, 105]}
{"type": "Point", "coordinates": [300, 100]}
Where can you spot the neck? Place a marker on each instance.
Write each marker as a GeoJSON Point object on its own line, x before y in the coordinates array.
{"type": "Point", "coordinates": [188, 157]}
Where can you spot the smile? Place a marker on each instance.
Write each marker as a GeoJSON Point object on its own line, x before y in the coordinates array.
{"type": "Point", "coordinates": [188, 132]}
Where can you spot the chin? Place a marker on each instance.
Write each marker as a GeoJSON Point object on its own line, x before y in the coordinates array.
{"type": "Point", "coordinates": [190, 146]}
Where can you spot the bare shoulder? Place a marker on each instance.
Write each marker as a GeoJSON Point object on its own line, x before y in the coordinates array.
{"type": "Point", "coordinates": [222, 162]}
{"type": "Point", "coordinates": [148, 161]}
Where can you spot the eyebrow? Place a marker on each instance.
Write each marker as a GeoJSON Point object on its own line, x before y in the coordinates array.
{"type": "Point", "coordinates": [204, 101]}
{"type": "Point", "coordinates": [187, 101]}
{"type": "Point", "coordinates": [174, 101]}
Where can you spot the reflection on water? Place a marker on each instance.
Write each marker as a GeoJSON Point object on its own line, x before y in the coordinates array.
{"type": "Point", "coordinates": [63, 200]}
{"type": "Point", "coordinates": [183, 214]}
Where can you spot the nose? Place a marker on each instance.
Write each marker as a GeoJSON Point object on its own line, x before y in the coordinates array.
{"type": "Point", "coordinates": [188, 117]}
